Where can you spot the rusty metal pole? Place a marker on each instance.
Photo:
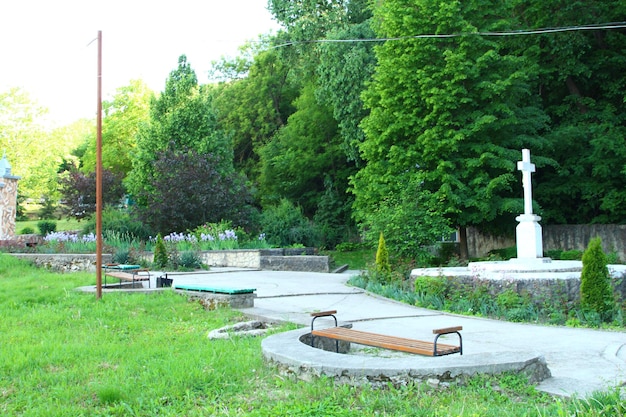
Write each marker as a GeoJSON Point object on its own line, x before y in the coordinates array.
{"type": "Point", "coordinates": [99, 175]}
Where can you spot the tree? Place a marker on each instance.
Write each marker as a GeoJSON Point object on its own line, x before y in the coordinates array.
{"type": "Point", "coordinates": [299, 158]}
{"type": "Point", "coordinates": [182, 118]}
{"type": "Point", "coordinates": [34, 148]}
{"type": "Point", "coordinates": [190, 190]}
{"type": "Point", "coordinates": [123, 117]}
{"type": "Point", "coordinates": [79, 191]}
{"type": "Point", "coordinates": [342, 74]}
{"type": "Point", "coordinates": [255, 103]}
{"type": "Point", "coordinates": [448, 115]}
{"type": "Point", "coordinates": [581, 86]}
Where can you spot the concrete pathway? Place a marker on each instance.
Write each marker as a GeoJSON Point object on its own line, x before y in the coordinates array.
{"type": "Point", "coordinates": [581, 360]}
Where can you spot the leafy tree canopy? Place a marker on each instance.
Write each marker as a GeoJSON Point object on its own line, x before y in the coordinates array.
{"type": "Point", "coordinates": [123, 117]}
{"type": "Point", "coordinates": [183, 117]}
{"type": "Point", "coordinates": [448, 116]}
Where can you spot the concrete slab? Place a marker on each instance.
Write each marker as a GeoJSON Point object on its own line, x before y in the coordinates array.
{"type": "Point", "coordinates": [580, 360]}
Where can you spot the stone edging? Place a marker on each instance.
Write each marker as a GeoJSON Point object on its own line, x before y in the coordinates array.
{"type": "Point", "coordinates": [292, 357]}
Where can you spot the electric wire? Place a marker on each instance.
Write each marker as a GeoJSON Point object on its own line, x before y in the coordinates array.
{"type": "Point", "coordinates": [523, 32]}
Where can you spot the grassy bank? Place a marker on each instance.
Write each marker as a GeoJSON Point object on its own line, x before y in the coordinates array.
{"type": "Point", "coordinates": [63, 353]}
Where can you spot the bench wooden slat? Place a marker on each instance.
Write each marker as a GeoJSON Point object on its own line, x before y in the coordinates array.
{"type": "Point", "coordinates": [387, 342]}
{"type": "Point", "coordinates": [323, 313]}
{"type": "Point", "coordinates": [446, 330]}
{"type": "Point", "coordinates": [127, 276]}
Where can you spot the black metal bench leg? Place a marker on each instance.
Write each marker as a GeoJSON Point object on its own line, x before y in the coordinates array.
{"type": "Point", "coordinates": [460, 343]}
{"type": "Point", "coordinates": [313, 337]}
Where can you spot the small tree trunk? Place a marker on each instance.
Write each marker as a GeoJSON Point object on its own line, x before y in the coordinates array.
{"type": "Point", "coordinates": [464, 252]}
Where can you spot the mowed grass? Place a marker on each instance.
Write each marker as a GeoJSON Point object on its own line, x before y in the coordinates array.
{"type": "Point", "coordinates": [64, 353]}
{"type": "Point", "coordinates": [63, 225]}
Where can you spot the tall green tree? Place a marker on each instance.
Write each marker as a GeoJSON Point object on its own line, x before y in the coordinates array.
{"type": "Point", "coordinates": [581, 85]}
{"type": "Point", "coordinates": [343, 71]}
{"type": "Point", "coordinates": [299, 158]}
{"type": "Point", "coordinates": [448, 115]}
{"type": "Point", "coordinates": [183, 117]}
{"type": "Point", "coordinates": [124, 114]}
{"type": "Point", "coordinates": [254, 102]}
{"type": "Point", "coordinates": [34, 148]}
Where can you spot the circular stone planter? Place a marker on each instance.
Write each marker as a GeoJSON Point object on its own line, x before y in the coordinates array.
{"type": "Point", "coordinates": [293, 357]}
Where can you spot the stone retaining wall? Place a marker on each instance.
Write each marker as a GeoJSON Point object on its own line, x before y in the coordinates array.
{"type": "Point", "coordinates": [246, 258]}
{"type": "Point", "coordinates": [296, 263]}
{"type": "Point", "coordinates": [271, 259]}
{"type": "Point", "coordinates": [63, 262]}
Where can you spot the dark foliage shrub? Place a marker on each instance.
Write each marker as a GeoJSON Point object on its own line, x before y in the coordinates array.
{"type": "Point", "coordinates": [27, 231]}
{"type": "Point", "coordinates": [189, 189]}
{"type": "Point", "coordinates": [79, 192]}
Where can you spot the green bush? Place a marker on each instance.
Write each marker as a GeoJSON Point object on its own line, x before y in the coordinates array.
{"type": "Point", "coordinates": [572, 255]}
{"type": "Point", "coordinates": [285, 225]}
{"type": "Point", "coordinates": [121, 222]}
{"type": "Point", "coordinates": [27, 231]}
{"type": "Point", "coordinates": [46, 226]}
{"type": "Point", "coordinates": [504, 253]}
{"type": "Point", "coordinates": [596, 293]}
{"type": "Point", "coordinates": [189, 260]}
{"type": "Point", "coordinates": [160, 253]}
{"type": "Point", "coordinates": [430, 285]}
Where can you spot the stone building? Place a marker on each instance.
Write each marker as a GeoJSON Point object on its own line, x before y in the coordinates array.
{"type": "Point", "coordinates": [8, 200]}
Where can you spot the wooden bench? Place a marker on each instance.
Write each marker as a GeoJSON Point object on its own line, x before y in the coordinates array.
{"type": "Point", "coordinates": [388, 342]}
{"type": "Point", "coordinates": [131, 273]}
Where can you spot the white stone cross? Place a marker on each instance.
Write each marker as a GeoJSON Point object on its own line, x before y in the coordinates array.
{"type": "Point", "coordinates": [527, 168]}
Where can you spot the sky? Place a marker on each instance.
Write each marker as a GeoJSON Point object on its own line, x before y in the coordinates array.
{"type": "Point", "coordinates": [49, 49]}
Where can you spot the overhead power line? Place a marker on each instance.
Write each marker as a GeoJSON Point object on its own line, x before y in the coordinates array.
{"type": "Point", "coordinates": [524, 32]}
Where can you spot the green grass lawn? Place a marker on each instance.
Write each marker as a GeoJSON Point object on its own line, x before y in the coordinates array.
{"type": "Point", "coordinates": [64, 353]}
{"type": "Point", "coordinates": [62, 225]}
{"type": "Point", "coordinates": [357, 259]}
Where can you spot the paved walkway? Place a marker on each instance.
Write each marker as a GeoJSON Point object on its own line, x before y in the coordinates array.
{"type": "Point", "coordinates": [580, 360]}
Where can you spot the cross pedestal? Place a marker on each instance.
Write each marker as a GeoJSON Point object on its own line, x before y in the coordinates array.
{"type": "Point", "coordinates": [528, 237]}
{"type": "Point", "coordinates": [528, 232]}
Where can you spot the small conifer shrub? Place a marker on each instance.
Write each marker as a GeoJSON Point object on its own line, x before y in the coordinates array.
{"type": "Point", "coordinates": [160, 252]}
{"type": "Point", "coordinates": [382, 255]}
{"type": "Point", "coordinates": [596, 292]}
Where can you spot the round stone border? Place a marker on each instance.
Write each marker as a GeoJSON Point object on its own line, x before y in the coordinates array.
{"type": "Point", "coordinates": [293, 357]}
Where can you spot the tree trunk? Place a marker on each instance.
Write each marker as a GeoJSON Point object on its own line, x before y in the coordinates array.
{"type": "Point", "coordinates": [464, 252]}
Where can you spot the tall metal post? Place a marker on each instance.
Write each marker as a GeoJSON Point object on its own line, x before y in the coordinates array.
{"type": "Point", "coordinates": [99, 175]}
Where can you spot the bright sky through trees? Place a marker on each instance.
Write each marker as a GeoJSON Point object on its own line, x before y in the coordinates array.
{"type": "Point", "coordinates": [44, 47]}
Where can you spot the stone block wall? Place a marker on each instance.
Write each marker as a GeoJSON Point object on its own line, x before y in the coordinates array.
{"type": "Point", "coordinates": [564, 237]}
{"type": "Point", "coordinates": [8, 206]}
{"type": "Point", "coordinates": [63, 262]}
{"type": "Point", "coordinates": [245, 258]}
{"type": "Point", "coordinates": [295, 263]}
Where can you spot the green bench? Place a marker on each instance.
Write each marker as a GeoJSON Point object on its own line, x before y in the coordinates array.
{"type": "Point", "coordinates": [214, 290]}
{"type": "Point", "coordinates": [213, 297]}
{"type": "Point", "coordinates": [125, 272]}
